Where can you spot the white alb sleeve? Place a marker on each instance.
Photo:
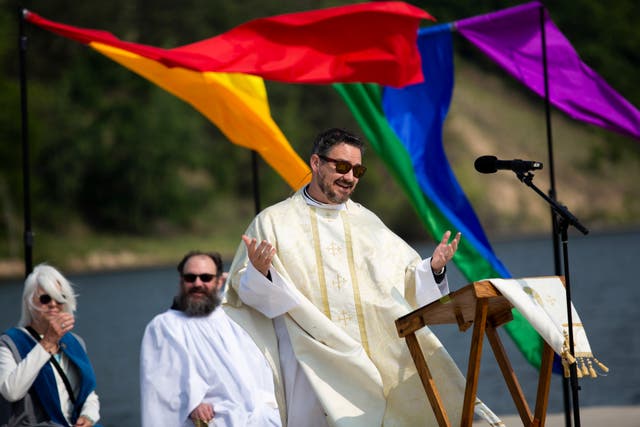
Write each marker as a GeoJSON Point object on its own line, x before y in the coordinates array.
{"type": "Point", "coordinates": [270, 297]}
{"type": "Point", "coordinates": [427, 290]}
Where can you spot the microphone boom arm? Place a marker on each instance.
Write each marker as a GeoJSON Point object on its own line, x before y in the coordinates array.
{"type": "Point", "coordinates": [527, 178]}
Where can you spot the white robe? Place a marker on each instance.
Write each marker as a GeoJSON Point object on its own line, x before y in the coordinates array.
{"type": "Point", "coordinates": [185, 361]}
{"type": "Point", "coordinates": [342, 278]}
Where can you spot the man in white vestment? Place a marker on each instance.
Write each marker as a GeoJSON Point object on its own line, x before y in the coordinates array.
{"type": "Point", "coordinates": [197, 366]}
{"type": "Point", "coordinates": [319, 282]}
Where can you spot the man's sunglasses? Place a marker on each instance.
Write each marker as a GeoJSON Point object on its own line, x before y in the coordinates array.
{"type": "Point", "coordinates": [46, 299]}
{"type": "Point", "coordinates": [191, 278]}
{"type": "Point", "coordinates": [342, 166]}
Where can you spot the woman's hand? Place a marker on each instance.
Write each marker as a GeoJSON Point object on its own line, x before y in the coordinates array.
{"type": "Point", "coordinates": [58, 324]}
{"type": "Point", "coordinates": [83, 422]}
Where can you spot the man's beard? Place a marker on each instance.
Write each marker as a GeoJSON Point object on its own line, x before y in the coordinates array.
{"type": "Point", "coordinates": [198, 307]}
{"type": "Point", "coordinates": [332, 196]}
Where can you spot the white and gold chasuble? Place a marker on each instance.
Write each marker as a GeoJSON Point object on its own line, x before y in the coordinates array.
{"type": "Point", "coordinates": [352, 277]}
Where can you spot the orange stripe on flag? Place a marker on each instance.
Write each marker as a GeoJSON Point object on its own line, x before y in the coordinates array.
{"type": "Point", "coordinates": [236, 103]}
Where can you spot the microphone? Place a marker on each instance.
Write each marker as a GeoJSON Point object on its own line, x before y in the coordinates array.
{"type": "Point", "coordinates": [490, 164]}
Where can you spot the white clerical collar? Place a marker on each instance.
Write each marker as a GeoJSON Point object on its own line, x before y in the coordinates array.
{"type": "Point", "coordinates": [313, 202]}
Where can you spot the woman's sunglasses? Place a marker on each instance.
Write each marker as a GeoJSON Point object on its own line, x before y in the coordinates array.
{"type": "Point", "coordinates": [46, 299]}
{"type": "Point", "coordinates": [342, 166]}
{"type": "Point", "coordinates": [191, 278]}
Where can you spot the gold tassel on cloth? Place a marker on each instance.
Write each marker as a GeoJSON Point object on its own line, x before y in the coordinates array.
{"type": "Point", "coordinates": [585, 362]}
{"type": "Point", "coordinates": [583, 367]}
{"type": "Point", "coordinates": [601, 365]}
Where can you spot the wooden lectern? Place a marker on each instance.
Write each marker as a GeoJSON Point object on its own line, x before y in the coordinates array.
{"type": "Point", "coordinates": [479, 304]}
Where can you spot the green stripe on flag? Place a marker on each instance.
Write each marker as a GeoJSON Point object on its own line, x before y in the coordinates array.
{"type": "Point", "coordinates": [364, 100]}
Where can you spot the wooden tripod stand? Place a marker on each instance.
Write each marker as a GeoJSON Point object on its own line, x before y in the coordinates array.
{"type": "Point", "coordinates": [479, 304]}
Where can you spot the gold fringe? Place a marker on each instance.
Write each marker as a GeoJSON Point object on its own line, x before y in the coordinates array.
{"type": "Point", "coordinates": [568, 357]}
{"type": "Point", "coordinates": [585, 370]}
{"type": "Point", "coordinates": [584, 363]}
{"type": "Point", "coordinates": [565, 349]}
{"type": "Point", "coordinates": [601, 365]}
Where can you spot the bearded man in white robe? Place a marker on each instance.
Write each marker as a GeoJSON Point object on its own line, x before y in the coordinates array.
{"type": "Point", "coordinates": [319, 282]}
{"type": "Point", "coordinates": [197, 366]}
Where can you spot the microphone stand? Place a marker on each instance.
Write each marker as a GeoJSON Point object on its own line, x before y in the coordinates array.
{"type": "Point", "coordinates": [565, 219]}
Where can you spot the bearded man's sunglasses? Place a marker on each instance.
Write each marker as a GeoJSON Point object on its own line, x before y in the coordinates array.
{"type": "Point", "coordinates": [204, 277]}
{"type": "Point", "coordinates": [342, 166]}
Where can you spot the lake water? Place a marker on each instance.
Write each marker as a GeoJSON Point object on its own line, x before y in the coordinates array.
{"type": "Point", "coordinates": [115, 307]}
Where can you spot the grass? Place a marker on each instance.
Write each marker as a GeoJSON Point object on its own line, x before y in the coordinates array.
{"type": "Point", "coordinates": [218, 227]}
{"type": "Point", "coordinates": [97, 252]}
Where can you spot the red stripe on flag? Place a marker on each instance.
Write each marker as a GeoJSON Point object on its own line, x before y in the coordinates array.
{"type": "Point", "coordinates": [368, 42]}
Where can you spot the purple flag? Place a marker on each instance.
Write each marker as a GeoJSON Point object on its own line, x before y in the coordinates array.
{"type": "Point", "coordinates": [512, 38]}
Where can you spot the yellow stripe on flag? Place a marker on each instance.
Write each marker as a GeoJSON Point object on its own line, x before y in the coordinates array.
{"type": "Point", "coordinates": [236, 103]}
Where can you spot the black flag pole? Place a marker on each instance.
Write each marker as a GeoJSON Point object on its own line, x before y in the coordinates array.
{"type": "Point", "coordinates": [569, 385]}
{"type": "Point", "coordinates": [26, 172]}
{"type": "Point", "coordinates": [256, 181]}
{"type": "Point", "coordinates": [552, 194]}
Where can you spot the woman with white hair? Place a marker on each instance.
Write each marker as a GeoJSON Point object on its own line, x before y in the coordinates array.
{"type": "Point", "coordinates": [44, 369]}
